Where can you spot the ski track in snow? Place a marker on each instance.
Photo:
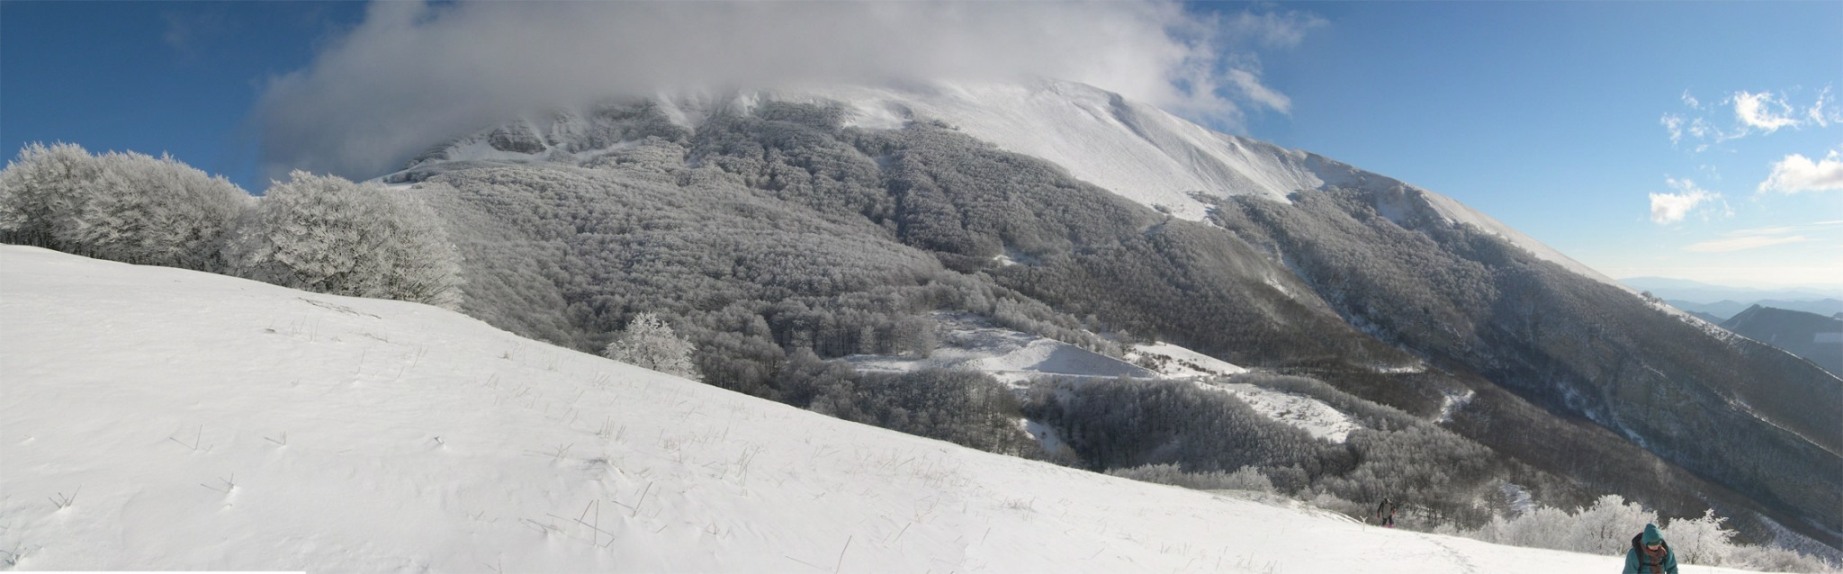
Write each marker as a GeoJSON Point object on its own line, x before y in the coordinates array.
{"type": "Point", "coordinates": [157, 418]}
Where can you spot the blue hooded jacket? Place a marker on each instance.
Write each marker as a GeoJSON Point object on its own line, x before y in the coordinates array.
{"type": "Point", "coordinates": [1637, 562]}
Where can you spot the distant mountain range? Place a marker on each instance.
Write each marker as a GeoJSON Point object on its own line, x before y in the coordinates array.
{"type": "Point", "coordinates": [1687, 290]}
{"type": "Point", "coordinates": [1722, 301]}
{"type": "Point", "coordinates": [1725, 309]}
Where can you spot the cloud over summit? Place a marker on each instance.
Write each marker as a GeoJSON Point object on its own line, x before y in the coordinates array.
{"type": "Point", "coordinates": [412, 75]}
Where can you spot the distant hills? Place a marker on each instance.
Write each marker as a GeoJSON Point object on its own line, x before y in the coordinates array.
{"type": "Point", "coordinates": [1668, 288]}
{"type": "Point", "coordinates": [1718, 303]}
{"type": "Point", "coordinates": [1720, 311]}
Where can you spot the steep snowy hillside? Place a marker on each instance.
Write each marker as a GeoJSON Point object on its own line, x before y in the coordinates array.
{"type": "Point", "coordinates": [154, 418]}
{"type": "Point", "coordinates": [1135, 150]}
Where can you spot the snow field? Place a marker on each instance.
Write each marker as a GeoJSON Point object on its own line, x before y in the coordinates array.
{"type": "Point", "coordinates": [163, 419]}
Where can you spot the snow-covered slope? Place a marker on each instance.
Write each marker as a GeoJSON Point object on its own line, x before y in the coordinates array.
{"type": "Point", "coordinates": [156, 418]}
{"type": "Point", "coordinates": [1130, 148]}
{"type": "Point", "coordinates": [1139, 151]}
{"type": "Point", "coordinates": [1133, 149]}
{"type": "Point", "coordinates": [1175, 361]}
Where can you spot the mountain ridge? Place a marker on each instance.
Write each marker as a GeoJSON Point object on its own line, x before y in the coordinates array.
{"type": "Point", "coordinates": [1135, 150]}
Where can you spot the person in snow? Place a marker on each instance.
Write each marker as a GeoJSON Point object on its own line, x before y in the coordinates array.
{"type": "Point", "coordinates": [1649, 554]}
{"type": "Point", "coordinates": [1385, 513]}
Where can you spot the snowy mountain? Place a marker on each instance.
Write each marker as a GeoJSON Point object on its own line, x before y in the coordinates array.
{"type": "Point", "coordinates": [1138, 151]}
{"type": "Point", "coordinates": [941, 261]}
{"type": "Point", "coordinates": [156, 418]}
{"type": "Point", "coordinates": [816, 243]}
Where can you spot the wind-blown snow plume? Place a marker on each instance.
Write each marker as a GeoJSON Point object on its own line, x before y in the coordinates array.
{"type": "Point", "coordinates": [413, 74]}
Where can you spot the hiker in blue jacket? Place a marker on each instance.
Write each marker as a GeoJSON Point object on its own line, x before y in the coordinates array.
{"type": "Point", "coordinates": [1649, 554]}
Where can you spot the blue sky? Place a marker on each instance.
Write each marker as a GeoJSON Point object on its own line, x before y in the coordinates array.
{"type": "Point", "coordinates": [1643, 138]}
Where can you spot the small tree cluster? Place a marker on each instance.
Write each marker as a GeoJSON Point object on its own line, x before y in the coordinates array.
{"type": "Point", "coordinates": [1607, 528]}
{"type": "Point", "coordinates": [327, 234]}
{"type": "Point", "coordinates": [125, 207]}
{"type": "Point", "coordinates": [320, 233]}
{"type": "Point", "coordinates": [649, 342]}
{"type": "Point", "coordinates": [1245, 478]}
{"type": "Point", "coordinates": [967, 408]}
{"type": "Point", "coordinates": [1604, 528]}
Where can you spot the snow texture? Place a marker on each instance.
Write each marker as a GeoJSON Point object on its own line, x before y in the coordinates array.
{"type": "Point", "coordinates": [155, 418]}
{"type": "Point", "coordinates": [1311, 415]}
{"type": "Point", "coordinates": [1176, 361]}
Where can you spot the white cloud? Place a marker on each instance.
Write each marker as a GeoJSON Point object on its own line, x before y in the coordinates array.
{"type": "Point", "coordinates": [1753, 113]}
{"type": "Point", "coordinates": [1817, 114]}
{"type": "Point", "coordinates": [1673, 207]}
{"type": "Point", "coordinates": [413, 74]}
{"type": "Point", "coordinates": [1270, 29]}
{"type": "Point", "coordinates": [1764, 111]}
{"type": "Point", "coordinates": [1674, 124]}
{"type": "Point", "coordinates": [1743, 243]}
{"type": "Point", "coordinates": [1797, 173]}
{"type": "Point", "coordinates": [1249, 85]}
{"type": "Point", "coordinates": [1747, 239]}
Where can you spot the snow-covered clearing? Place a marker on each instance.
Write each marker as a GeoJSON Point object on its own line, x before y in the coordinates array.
{"type": "Point", "coordinates": [1308, 414]}
{"type": "Point", "coordinates": [1009, 356]}
{"type": "Point", "coordinates": [1176, 361]}
{"type": "Point", "coordinates": [163, 419]}
{"type": "Point", "coordinates": [1452, 402]}
{"type": "Point", "coordinates": [1014, 357]}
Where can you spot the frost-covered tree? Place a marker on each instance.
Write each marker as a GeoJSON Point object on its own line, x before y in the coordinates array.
{"type": "Point", "coordinates": [42, 190]}
{"type": "Point", "coordinates": [154, 211]}
{"type": "Point", "coordinates": [120, 206]}
{"type": "Point", "coordinates": [1607, 526]}
{"type": "Point", "coordinates": [649, 342]}
{"type": "Point", "coordinates": [1604, 528]}
{"type": "Point", "coordinates": [1701, 540]}
{"type": "Point", "coordinates": [327, 234]}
